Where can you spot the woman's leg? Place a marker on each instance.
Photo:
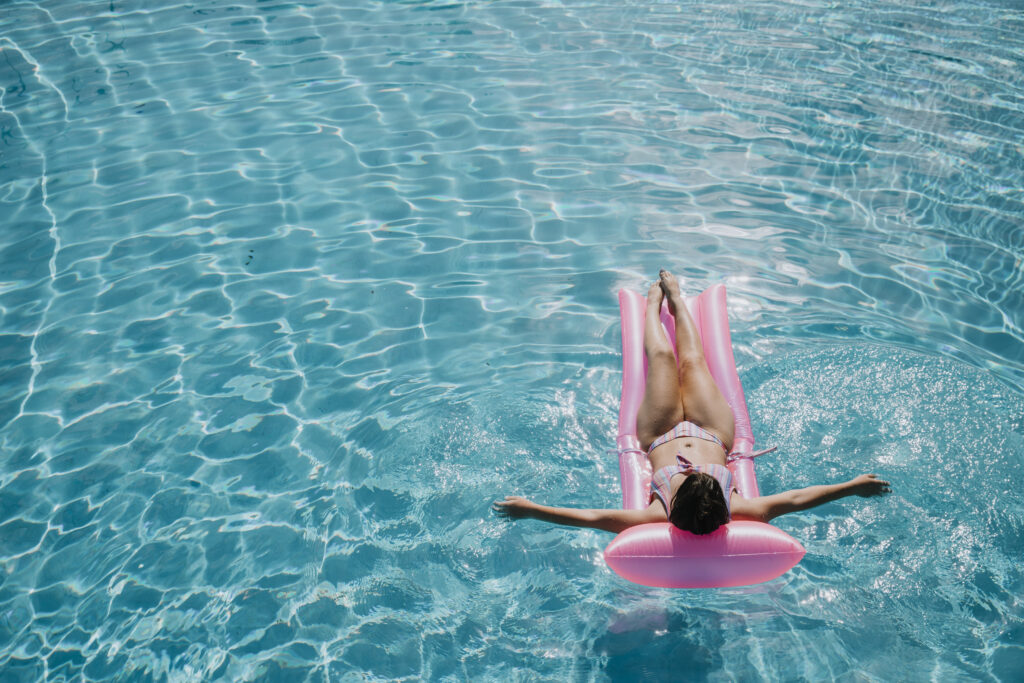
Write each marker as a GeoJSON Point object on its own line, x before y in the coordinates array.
{"type": "Point", "coordinates": [702, 400]}
{"type": "Point", "coordinates": [661, 408]}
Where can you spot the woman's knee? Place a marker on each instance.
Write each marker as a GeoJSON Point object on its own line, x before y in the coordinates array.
{"type": "Point", "coordinates": [692, 359]}
{"type": "Point", "coordinates": [660, 354]}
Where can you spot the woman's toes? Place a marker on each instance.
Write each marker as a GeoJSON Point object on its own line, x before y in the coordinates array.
{"type": "Point", "coordinates": [668, 282]}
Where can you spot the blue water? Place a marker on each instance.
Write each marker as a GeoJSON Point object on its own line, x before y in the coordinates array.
{"type": "Point", "coordinates": [291, 291]}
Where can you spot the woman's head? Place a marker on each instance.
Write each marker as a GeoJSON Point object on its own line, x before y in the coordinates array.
{"type": "Point", "coordinates": [699, 504]}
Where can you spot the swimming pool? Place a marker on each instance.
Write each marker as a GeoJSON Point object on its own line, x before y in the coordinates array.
{"type": "Point", "coordinates": [292, 291]}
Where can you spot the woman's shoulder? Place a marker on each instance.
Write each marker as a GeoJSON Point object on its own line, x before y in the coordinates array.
{"type": "Point", "coordinates": [655, 512]}
{"type": "Point", "coordinates": [746, 508]}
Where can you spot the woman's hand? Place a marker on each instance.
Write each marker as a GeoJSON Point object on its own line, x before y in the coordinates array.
{"type": "Point", "coordinates": [513, 507]}
{"type": "Point", "coordinates": [767, 508]}
{"type": "Point", "coordinates": [869, 485]}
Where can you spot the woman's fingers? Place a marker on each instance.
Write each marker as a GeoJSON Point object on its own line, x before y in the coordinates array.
{"type": "Point", "coordinates": [871, 485]}
{"type": "Point", "coordinates": [507, 507]}
{"type": "Point", "coordinates": [881, 486]}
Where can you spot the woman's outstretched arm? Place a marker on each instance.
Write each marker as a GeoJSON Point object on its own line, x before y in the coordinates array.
{"type": "Point", "coordinates": [767, 508]}
{"type": "Point", "coordinates": [614, 520]}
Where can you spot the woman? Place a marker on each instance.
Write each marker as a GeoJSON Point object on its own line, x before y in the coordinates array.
{"type": "Point", "coordinates": [686, 427]}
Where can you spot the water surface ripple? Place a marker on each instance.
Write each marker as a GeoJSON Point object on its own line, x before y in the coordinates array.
{"type": "Point", "coordinates": [291, 291]}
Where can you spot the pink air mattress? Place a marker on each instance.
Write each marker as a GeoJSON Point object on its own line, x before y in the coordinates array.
{"type": "Point", "coordinates": [737, 554]}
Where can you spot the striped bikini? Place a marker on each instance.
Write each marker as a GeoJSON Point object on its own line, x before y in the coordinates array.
{"type": "Point", "coordinates": [660, 481]}
{"type": "Point", "coordinates": [683, 430]}
{"type": "Point", "coordinates": [686, 429]}
{"type": "Point", "coordinates": [660, 486]}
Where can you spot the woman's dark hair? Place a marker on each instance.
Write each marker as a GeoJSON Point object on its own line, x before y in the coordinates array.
{"type": "Point", "coordinates": [699, 505]}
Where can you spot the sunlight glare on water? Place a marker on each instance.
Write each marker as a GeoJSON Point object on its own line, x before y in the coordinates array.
{"type": "Point", "coordinates": [290, 292]}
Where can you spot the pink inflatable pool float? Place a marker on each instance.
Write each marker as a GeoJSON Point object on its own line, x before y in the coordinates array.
{"type": "Point", "coordinates": [737, 554]}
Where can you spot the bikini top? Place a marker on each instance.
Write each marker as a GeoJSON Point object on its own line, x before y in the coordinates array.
{"type": "Point", "coordinates": [660, 481]}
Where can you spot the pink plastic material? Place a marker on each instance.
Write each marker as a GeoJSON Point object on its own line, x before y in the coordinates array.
{"type": "Point", "coordinates": [741, 552]}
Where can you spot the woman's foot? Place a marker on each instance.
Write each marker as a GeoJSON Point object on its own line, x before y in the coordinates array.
{"type": "Point", "coordinates": [655, 294]}
{"type": "Point", "coordinates": [670, 286]}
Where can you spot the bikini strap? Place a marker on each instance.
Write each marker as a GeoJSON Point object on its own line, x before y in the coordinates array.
{"type": "Point", "coordinates": [684, 462]}
{"type": "Point", "coordinates": [735, 455]}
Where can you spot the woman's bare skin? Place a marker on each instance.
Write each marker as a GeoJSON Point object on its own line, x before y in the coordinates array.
{"type": "Point", "coordinates": [680, 387]}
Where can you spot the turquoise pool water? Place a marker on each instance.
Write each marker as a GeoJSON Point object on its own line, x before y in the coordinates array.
{"type": "Point", "coordinates": [291, 291]}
